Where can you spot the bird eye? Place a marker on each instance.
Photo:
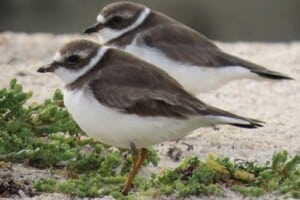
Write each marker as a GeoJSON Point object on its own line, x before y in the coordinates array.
{"type": "Point", "coordinates": [116, 19]}
{"type": "Point", "coordinates": [73, 59]}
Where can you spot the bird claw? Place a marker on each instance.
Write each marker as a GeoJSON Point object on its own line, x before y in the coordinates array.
{"type": "Point", "coordinates": [125, 189]}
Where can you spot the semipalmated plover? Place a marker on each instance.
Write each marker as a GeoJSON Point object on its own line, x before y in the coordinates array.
{"type": "Point", "coordinates": [123, 101]}
{"type": "Point", "coordinates": [188, 56]}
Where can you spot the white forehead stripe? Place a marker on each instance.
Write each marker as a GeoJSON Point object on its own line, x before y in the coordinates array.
{"type": "Point", "coordinates": [57, 57]}
{"type": "Point", "coordinates": [69, 76]}
{"type": "Point", "coordinates": [101, 19]}
{"type": "Point", "coordinates": [108, 34]}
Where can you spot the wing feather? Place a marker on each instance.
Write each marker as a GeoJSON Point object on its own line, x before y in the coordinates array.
{"type": "Point", "coordinates": [185, 45]}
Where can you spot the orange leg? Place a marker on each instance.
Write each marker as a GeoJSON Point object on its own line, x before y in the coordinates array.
{"type": "Point", "coordinates": [136, 165]}
{"type": "Point", "coordinates": [144, 154]}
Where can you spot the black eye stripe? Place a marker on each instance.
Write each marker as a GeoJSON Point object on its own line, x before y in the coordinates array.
{"type": "Point", "coordinates": [115, 19]}
{"type": "Point", "coordinates": [73, 59]}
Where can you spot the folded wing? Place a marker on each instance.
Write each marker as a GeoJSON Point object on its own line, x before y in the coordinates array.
{"type": "Point", "coordinates": [183, 44]}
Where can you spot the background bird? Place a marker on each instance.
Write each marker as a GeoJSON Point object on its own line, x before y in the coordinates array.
{"type": "Point", "coordinates": [187, 55]}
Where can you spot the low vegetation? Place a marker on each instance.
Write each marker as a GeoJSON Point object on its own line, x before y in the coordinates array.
{"type": "Point", "coordinates": [45, 136]}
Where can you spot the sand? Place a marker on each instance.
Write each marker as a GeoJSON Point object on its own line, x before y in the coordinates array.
{"type": "Point", "coordinates": [275, 102]}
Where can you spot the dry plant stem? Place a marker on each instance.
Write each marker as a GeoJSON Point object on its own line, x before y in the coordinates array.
{"type": "Point", "coordinates": [138, 160]}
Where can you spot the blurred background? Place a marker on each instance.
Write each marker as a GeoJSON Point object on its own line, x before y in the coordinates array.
{"type": "Point", "coordinates": [230, 20]}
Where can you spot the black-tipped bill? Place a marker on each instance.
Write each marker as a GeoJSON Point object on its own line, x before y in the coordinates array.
{"type": "Point", "coordinates": [47, 68]}
{"type": "Point", "coordinates": [94, 28]}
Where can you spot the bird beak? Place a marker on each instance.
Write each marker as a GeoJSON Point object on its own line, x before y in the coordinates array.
{"type": "Point", "coordinates": [94, 28]}
{"type": "Point", "coordinates": [47, 68]}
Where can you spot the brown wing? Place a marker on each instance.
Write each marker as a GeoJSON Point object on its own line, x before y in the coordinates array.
{"type": "Point", "coordinates": [143, 90]}
{"type": "Point", "coordinates": [185, 45]}
{"type": "Point", "coordinates": [133, 86]}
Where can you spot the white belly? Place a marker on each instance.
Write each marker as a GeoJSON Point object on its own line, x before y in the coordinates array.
{"type": "Point", "coordinates": [119, 129]}
{"type": "Point", "coordinates": [194, 79]}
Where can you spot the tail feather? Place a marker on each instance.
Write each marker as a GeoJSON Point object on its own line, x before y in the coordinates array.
{"type": "Point", "coordinates": [271, 74]}
{"type": "Point", "coordinates": [251, 124]}
{"type": "Point", "coordinates": [223, 117]}
{"type": "Point", "coordinates": [235, 120]}
{"type": "Point", "coordinates": [255, 68]}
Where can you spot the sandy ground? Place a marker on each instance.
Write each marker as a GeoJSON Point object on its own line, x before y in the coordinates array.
{"type": "Point", "coordinates": [275, 102]}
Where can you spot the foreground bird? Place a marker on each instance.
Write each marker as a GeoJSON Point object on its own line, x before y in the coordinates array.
{"type": "Point", "coordinates": [123, 101]}
{"type": "Point", "coordinates": [188, 56]}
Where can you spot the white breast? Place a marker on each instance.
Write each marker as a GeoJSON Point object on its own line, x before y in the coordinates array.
{"type": "Point", "coordinates": [195, 79]}
{"type": "Point", "coordinates": [119, 129]}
